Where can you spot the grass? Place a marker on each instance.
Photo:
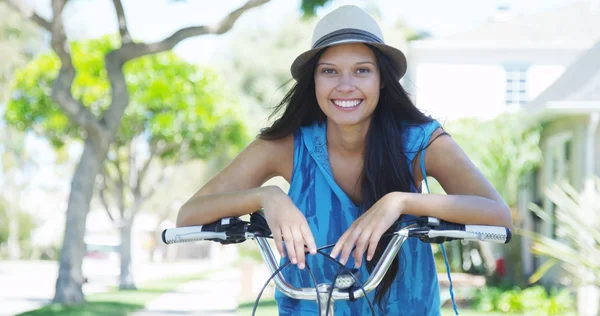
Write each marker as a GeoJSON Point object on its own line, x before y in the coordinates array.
{"type": "Point", "coordinates": [269, 308]}
{"type": "Point", "coordinates": [116, 302]}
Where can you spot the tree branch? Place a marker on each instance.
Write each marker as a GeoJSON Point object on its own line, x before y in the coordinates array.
{"type": "Point", "coordinates": [103, 198]}
{"type": "Point", "coordinates": [115, 60]}
{"type": "Point", "coordinates": [155, 151]}
{"type": "Point", "coordinates": [159, 150]}
{"type": "Point", "coordinates": [61, 90]}
{"type": "Point", "coordinates": [143, 170]}
{"type": "Point", "coordinates": [29, 14]}
{"type": "Point", "coordinates": [131, 51]}
{"type": "Point", "coordinates": [165, 177]}
{"type": "Point", "coordinates": [120, 185]}
{"type": "Point", "coordinates": [133, 170]}
{"type": "Point", "coordinates": [123, 30]}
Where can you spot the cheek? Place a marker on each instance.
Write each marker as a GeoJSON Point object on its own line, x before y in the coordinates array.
{"type": "Point", "coordinates": [373, 91]}
{"type": "Point", "coordinates": [322, 89]}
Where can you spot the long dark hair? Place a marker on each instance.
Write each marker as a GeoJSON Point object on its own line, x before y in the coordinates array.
{"type": "Point", "coordinates": [385, 167]}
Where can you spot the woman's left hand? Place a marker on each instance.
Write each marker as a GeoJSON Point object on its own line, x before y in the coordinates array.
{"type": "Point", "coordinates": [366, 231]}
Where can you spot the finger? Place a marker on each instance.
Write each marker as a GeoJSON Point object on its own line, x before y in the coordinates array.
{"type": "Point", "coordinates": [349, 244]}
{"type": "Point", "coordinates": [309, 240]}
{"type": "Point", "coordinates": [288, 239]}
{"type": "Point", "coordinates": [373, 243]}
{"type": "Point", "coordinates": [361, 246]}
{"type": "Point", "coordinates": [338, 246]}
{"type": "Point", "coordinates": [299, 246]}
{"type": "Point", "coordinates": [278, 242]}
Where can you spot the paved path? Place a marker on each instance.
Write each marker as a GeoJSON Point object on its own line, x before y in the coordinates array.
{"type": "Point", "coordinates": [28, 285]}
{"type": "Point", "coordinates": [216, 295]}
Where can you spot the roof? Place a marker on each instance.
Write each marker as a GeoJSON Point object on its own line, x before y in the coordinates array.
{"type": "Point", "coordinates": [569, 26]}
{"type": "Point", "coordinates": [578, 85]}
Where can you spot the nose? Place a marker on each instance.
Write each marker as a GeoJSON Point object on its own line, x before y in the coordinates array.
{"type": "Point", "coordinates": [346, 84]}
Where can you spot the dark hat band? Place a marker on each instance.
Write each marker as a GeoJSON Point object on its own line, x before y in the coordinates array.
{"type": "Point", "coordinates": [347, 34]}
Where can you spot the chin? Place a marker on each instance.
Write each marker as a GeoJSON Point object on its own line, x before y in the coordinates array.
{"type": "Point", "coordinates": [348, 122]}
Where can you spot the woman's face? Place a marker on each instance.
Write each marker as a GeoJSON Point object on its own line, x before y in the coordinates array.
{"type": "Point", "coordinates": [347, 83]}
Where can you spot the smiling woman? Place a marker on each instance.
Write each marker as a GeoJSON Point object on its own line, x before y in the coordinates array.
{"type": "Point", "coordinates": [355, 150]}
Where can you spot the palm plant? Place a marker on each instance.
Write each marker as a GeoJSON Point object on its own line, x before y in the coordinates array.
{"type": "Point", "coordinates": [577, 244]}
{"type": "Point", "coordinates": [577, 247]}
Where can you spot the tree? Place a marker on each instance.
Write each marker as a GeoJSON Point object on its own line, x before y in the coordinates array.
{"type": "Point", "coordinates": [17, 37]}
{"type": "Point", "coordinates": [504, 149]}
{"type": "Point", "coordinates": [15, 164]}
{"type": "Point", "coordinates": [177, 112]}
{"type": "Point", "coordinates": [99, 125]}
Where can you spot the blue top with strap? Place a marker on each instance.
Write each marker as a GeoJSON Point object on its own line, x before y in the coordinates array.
{"type": "Point", "coordinates": [330, 212]}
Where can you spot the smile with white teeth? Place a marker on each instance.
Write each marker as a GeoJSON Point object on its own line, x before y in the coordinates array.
{"type": "Point", "coordinates": [347, 103]}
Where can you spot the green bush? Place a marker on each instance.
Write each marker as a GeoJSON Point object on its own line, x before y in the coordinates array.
{"type": "Point", "coordinates": [534, 300]}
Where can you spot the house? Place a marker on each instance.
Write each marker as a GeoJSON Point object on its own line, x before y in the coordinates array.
{"type": "Point", "coordinates": [546, 64]}
{"type": "Point", "coordinates": [502, 64]}
{"type": "Point", "coordinates": [570, 112]}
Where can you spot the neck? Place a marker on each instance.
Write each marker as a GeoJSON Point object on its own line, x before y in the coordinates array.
{"type": "Point", "coordinates": [347, 140]}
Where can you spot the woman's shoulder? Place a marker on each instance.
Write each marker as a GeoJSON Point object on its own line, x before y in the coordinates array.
{"type": "Point", "coordinates": [416, 134]}
{"type": "Point", "coordinates": [281, 145]}
{"type": "Point", "coordinates": [277, 154]}
{"type": "Point", "coordinates": [412, 127]}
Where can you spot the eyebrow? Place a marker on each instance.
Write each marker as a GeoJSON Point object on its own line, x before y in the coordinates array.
{"type": "Point", "coordinates": [358, 63]}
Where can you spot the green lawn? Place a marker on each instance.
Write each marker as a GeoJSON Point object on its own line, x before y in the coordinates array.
{"type": "Point", "coordinates": [116, 302]}
{"type": "Point", "coordinates": [269, 308]}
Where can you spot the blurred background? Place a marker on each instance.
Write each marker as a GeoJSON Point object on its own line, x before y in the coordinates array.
{"type": "Point", "coordinates": [113, 113]}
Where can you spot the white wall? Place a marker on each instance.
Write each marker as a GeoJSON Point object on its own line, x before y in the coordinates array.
{"type": "Point", "coordinates": [449, 91]}
{"type": "Point", "coordinates": [542, 76]}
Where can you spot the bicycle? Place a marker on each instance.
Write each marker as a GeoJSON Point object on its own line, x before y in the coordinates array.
{"type": "Point", "coordinates": [345, 286]}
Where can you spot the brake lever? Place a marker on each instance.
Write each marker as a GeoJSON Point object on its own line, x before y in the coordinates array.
{"type": "Point", "coordinates": [258, 225]}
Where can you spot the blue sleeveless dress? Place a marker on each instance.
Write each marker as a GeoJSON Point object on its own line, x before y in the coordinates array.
{"type": "Point", "coordinates": [329, 212]}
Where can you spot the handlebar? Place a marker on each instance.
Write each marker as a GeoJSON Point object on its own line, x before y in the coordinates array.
{"type": "Point", "coordinates": [427, 229]}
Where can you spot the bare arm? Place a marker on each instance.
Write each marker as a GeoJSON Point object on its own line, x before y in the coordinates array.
{"type": "Point", "coordinates": [471, 198]}
{"type": "Point", "coordinates": [236, 190]}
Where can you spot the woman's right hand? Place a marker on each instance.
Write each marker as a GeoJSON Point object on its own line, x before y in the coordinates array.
{"type": "Point", "coordinates": [286, 221]}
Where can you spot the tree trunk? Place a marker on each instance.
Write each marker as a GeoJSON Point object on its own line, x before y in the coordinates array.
{"type": "Point", "coordinates": [126, 275]}
{"type": "Point", "coordinates": [70, 279]}
{"type": "Point", "coordinates": [14, 249]}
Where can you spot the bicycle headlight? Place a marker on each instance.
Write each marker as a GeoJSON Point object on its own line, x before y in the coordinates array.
{"type": "Point", "coordinates": [344, 281]}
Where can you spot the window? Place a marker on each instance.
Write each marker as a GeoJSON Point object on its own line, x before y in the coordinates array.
{"type": "Point", "coordinates": [516, 85]}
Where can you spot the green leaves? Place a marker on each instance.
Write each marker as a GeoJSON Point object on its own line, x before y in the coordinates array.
{"type": "Point", "coordinates": [309, 7]}
{"type": "Point", "coordinates": [534, 300]}
{"type": "Point", "coordinates": [171, 101]}
{"type": "Point", "coordinates": [504, 149]}
{"type": "Point", "coordinates": [577, 245]}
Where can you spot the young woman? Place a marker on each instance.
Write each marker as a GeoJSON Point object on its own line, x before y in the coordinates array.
{"type": "Point", "coordinates": [354, 149]}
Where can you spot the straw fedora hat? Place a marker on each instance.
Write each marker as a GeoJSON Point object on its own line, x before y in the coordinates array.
{"type": "Point", "coordinates": [348, 24]}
